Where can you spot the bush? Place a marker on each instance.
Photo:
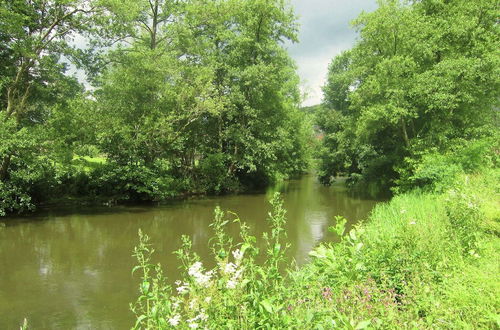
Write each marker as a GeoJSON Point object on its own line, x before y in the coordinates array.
{"type": "Point", "coordinates": [134, 182]}
{"type": "Point", "coordinates": [432, 172]}
{"type": "Point", "coordinates": [14, 199]}
{"type": "Point", "coordinates": [215, 177]}
{"type": "Point", "coordinates": [465, 216]}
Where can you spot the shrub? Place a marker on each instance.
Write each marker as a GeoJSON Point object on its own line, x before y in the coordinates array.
{"type": "Point", "coordinates": [215, 177]}
{"type": "Point", "coordinates": [14, 199]}
{"type": "Point", "coordinates": [133, 182]}
{"type": "Point", "coordinates": [431, 172]}
{"type": "Point", "coordinates": [464, 216]}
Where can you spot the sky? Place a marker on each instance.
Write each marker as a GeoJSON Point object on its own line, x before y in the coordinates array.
{"type": "Point", "coordinates": [325, 31]}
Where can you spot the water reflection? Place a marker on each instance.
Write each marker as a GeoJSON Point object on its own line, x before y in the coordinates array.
{"type": "Point", "coordinates": [71, 268]}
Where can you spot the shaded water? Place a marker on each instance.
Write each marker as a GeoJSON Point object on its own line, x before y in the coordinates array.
{"type": "Point", "coordinates": [71, 269]}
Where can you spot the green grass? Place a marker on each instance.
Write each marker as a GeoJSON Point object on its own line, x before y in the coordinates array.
{"type": "Point", "coordinates": [87, 163]}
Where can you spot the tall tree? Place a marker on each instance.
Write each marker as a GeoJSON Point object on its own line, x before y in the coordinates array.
{"type": "Point", "coordinates": [424, 74]}
{"type": "Point", "coordinates": [35, 35]}
{"type": "Point", "coordinates": [220, 90]}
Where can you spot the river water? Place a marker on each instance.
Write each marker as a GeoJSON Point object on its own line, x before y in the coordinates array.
{"type": "Point", "coordinates": [71, 268]}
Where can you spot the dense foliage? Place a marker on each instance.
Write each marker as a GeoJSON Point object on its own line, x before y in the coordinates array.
{"type": "Point", "coordinates": [423, 260]}
{"type": "Point", "coordinates": [187, 97]}
{"type": "Point", "coordinates": [422, 81]}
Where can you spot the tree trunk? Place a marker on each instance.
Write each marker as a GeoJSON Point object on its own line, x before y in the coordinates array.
{"type": "Point", "coordinates": [154, 27]}
{"type": "Point", "coordinates": [405, 133]}
{"type": "Point", "coordinates": [4, 169]}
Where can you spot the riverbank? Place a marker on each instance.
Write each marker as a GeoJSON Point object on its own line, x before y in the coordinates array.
{"type": "Point", "coordinates": [93, 182]}
{"type": "Point", "coordinates": [422, 260]}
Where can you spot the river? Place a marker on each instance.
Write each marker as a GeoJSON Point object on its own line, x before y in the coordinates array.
{"type": "Point", "coordinates": [70, 268]}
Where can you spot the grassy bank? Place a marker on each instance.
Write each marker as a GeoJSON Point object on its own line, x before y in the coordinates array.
{"type": "Point", "coordinates": [423, 260]}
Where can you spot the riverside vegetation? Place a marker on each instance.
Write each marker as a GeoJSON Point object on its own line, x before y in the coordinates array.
{"type": "Point", "coordinates": [422, 260]}
{"type": "Point", "coordinates": [411, 108]}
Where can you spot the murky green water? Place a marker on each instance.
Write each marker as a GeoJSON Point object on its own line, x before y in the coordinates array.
{"type": "Point", "coordinates": [71, 269]}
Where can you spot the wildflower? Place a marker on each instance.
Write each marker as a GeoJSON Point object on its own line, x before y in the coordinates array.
{"type": "Point", "coordinates": [327, 293]}
{"type": "Point", "coordinates": [208, 299]}
{"type": "Point", "coordinates": [195, 268]}
{"type": "Point", "coordinates": [231, 284]}
{"type": "Point", "coordinates": [237, 274]}
{"type": "Point", "coordinates": [183, 288]}
{"type": "Point", "coordinates": [193, 325]}
{"type": "Point", "coordinates": [202, 279]}
{"type": "Point", "coordinates": [174, 321]}
{"type": "Point", "coordinates": [238, 255]}
{"type": "Point", "coordinates": [229, 268]}
{"type": "Point", "coordinates": [474, 254]}
{"type": "Point", "coordinates": [413, 222]}
{"type": "Point", "coordinates": [192, 304]}
{"type": "Point", "coordinates": [202, 316]}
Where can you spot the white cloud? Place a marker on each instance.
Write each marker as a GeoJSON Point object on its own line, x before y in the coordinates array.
{"type": "Point", "coordinates": [325, 32]}
{"type": "Point", "coordinates": [313, 71]}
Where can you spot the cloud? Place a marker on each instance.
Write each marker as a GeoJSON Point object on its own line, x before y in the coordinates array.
{"type": "Point", "coordinates": [325, 31]}
{"type": "Point", "coordinates": [313, 70]}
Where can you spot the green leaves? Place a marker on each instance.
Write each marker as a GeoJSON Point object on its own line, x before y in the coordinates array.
{"type": "Point", "coordinates": [422, 75]}
{"type": "Point", "coordinates": [268, 307]}
{"type": "Point", "coordinates": [223, 72]}
{"type": "Point", "coordinates": [187, 96]}
{"type": "Point", "coordinates": [339, 227]}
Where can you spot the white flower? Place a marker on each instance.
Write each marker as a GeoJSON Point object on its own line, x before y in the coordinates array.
{"type": "Point", "coordinates": [195, 268]}
{"type": "Point", "coordinates": [231, 284]}
{"type": "Point", "coordinates": [192, 304]}
{"type": "Point", "coordinates": [174, 321]}
{"type": "Point", "coordinates": [208, 299]}
{"type": "Point", "coordinates": [413, 223]}
{"type": "Point", "coordinates": [200, 278]}
{"type": "Point", "coordinates": [230, 268]}
{"type": "Point", "coordinates": [193, 325]}
{"type": "Point", "coordinates": [237, 274]}
{"type": "Point", "coordinates": [202, 316]}
{"type": "Point", "coordinates": [238, 255]}
{"type": "Point", "coordinates": [204, 279]}
{"type": "Point", "coordinates": [183, 289]}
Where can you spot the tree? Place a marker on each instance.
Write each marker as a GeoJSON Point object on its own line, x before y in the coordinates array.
{"type": "Point", "coordinates": [423, 75]}
{"type": "Point", "coordinates": [219, 92]}
{"type": "Point", "coordinates": [34, 36]}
